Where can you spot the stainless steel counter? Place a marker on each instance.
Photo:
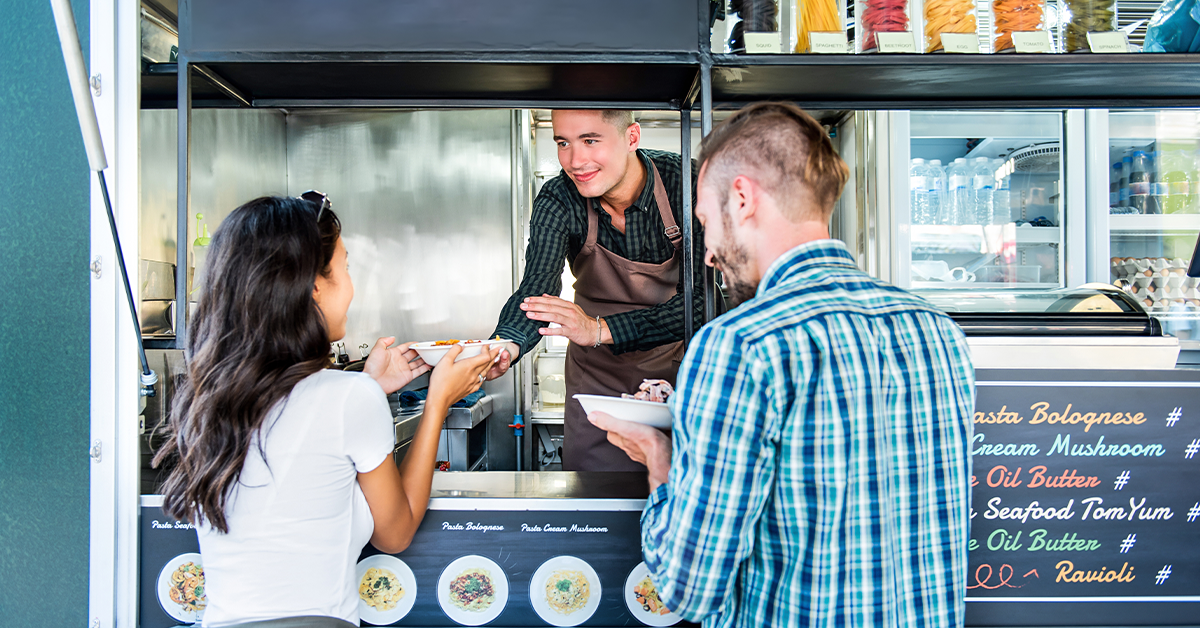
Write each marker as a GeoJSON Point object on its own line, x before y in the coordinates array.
{"type": "Point", "coordinates": [534, 490]}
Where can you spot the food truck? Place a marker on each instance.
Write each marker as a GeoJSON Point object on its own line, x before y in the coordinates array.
{"type": "Point", "coordinates": [429, 127]}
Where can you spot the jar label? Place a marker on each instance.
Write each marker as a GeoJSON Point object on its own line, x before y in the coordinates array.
{"type": "Point", "coordinates": [1031, 41]}
{"type": "Point", "coordinates": [828, 43]}
{"type": "Point", "coordinates": [896, 42]}
{"type": "Point", "coordinates": [1116, 41]}
{"type": "Point", "coordinates": [962, 43]}
{"type": "Point", "coordinates": [763, 43]}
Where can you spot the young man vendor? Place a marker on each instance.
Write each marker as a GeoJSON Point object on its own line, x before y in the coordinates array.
{"type": "Point", "coordinates": [615, 214]}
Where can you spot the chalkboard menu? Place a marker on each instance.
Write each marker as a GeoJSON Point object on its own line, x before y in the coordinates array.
{"type": "Point", "coordinates": [1085, 500]}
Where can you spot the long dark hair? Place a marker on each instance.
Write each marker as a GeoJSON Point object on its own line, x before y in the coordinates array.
{"type": "Point", "coordinates": [256, 333]}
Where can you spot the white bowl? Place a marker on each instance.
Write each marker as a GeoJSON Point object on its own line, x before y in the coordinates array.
{"type": "Point", "coordinates": [650, 413]}
{"type": "Point", "coordinates": [432, 353]}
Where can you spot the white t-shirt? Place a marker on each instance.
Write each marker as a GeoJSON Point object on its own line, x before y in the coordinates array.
{"type": "Point", "coordinates": [298, 523]}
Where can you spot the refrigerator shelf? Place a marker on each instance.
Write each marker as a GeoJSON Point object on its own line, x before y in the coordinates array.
{"type": "Point", "coordinates": [1154, 222]}
{"type": "Point", "coordinates": [980, 285]}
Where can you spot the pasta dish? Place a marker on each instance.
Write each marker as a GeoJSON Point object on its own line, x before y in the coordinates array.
{"type": "Point", "coordinates": [380, 589]}
{"type": "Point", "coordinates": [472, 590]}
{"type": "Point", "coordinates": [647, 596]}
{"type": "Point", "coordinates": [187, 587]}
{"type": "Point", "coordinates": [567, 591]}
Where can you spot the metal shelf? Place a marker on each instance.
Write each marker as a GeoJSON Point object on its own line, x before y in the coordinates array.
{"type": "Point", "coordinates": [1154, 222]}
{"type": "Point", "coordinates": [914, 81]}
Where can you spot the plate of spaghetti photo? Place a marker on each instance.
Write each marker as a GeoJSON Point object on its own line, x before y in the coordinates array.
{"type": "Point", "coordinates": [641, 596]}
{"type": "Point", "coordinates": [386, 589]}
{"type": "Point", "coordinates": [472, 590]}
{"type": "Point", "coordinates": [181, 588]}
{"type": "Point", "coordinates": [565, 591]}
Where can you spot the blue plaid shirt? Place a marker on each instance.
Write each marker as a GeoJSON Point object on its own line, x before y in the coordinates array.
{"type": "Point", "coordinates": [820, 473]}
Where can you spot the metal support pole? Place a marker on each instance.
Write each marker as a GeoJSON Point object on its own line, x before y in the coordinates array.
{"type": "Point", "coordinates": [689, 288]}
{"type": "Point", "coordinates": [183, 195]}
{"type": "Point", "coordinates": [706, 121]}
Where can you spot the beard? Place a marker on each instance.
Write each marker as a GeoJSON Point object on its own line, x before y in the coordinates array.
{"type": "Point", "coordinates": [733, 260]}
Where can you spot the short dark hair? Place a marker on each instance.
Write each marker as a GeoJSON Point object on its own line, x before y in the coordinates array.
{"type": "Point", "coordinates": [785, 151]}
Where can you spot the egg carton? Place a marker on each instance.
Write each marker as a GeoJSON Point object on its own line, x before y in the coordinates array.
{"type": "Point", "coordinates": [1158, 283]}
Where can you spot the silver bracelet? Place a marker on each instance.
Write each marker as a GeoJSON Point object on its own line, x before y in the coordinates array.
{"type": "Point", "coordinates": [597, 333]}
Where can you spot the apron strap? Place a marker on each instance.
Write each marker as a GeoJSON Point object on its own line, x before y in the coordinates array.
{"type": "Point", "coordinates": [670, 228]}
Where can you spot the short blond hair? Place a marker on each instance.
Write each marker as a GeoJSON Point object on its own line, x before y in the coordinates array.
{"type": "Point", "coordinates": [620, 118]}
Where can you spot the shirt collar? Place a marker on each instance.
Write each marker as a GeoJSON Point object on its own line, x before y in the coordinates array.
{"type": "Point", "coordinates": [804, 258]}
{"type": "Point", "coordinates": [643, 201]}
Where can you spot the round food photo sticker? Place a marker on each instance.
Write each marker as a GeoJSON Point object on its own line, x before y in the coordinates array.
{"type": "Point", "coordinates": [181, 588]}
{"type": "Point", "coordinates": [472, 590]}
{"type": "Point", "coordinates": [386, 589]}
{"type": "Point", "coordinates": [641, 596]}
{"type": "Point", "coordinates": [565, 591]}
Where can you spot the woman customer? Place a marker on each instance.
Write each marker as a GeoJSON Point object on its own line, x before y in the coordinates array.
{"type": "Point", "coordinates": [285, 467]}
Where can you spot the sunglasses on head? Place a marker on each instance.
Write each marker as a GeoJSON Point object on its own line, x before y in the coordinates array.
{"type": "Point", "coordinates": [321, 200]}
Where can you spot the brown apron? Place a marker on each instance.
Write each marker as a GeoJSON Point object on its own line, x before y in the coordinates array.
{"type": "Point", "coordinates": [606, 284]}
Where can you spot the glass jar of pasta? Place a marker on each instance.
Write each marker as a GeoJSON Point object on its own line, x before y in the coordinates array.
{"type": "Point", "coordinates": [1015, 15]}
{"type": "Point", "coordinates": [947, 16]}
{"type": "Point", "coordinates": [1089, 16]}
{"type": "Point", "coordinates": [816, 16]}
{"type": "Point", "coordinates": [880, 16]}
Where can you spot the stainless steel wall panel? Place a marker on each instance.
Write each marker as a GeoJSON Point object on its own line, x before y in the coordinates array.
{"type": "Point", "coordinates": [426, 202]}
{"type": "Point", "coordinates": [237, 155]}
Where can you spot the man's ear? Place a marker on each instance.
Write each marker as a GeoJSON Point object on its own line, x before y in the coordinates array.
{"type": "Point", "coordinates": [633, 136]}
{"type": "Point", "coordinates": [744, 198]}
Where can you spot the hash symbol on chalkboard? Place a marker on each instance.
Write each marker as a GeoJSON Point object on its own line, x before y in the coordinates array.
{"type": "Point", "coordinates": [1127, 544]}
{"type": "Point", "coordinates": [1192, 449]}
{"type": "Point", "coordinates": [1163, 574]}
{"type": "Point", "coordinates": [1194, 512]}
{"type": "Point", "coordinates": [1122, 480]}
{"type": "Point", "coordinates": [1174, 417]}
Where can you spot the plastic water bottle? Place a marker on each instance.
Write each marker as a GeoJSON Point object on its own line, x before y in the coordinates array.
{"type": "Point", "coordinates": [983, 182]}
{"type": "Point", "coordinates": [1002, 195]}
{"type": "Point", "coordinates": [1178, 170]}
{"type": "Point", "coordinates": [1114, 185]}
{"type": "Point", "coordinates": [1139, 183]}
{"type": "Point", "coordinates": [1126, 166]}
{"type": "Point", "coordinates": [958, 180]}
{"type": "Point", "coordinates": [918, 192]}
{"type": "Point", "coordinates": [937, 189]}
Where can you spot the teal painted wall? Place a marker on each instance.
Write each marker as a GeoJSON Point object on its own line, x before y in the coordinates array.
{"type": "Point", "coordinates": [44, 309]}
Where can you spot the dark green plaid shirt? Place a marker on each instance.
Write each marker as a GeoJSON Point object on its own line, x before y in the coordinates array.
{"type": "Point", "coordinates": [557, 232]}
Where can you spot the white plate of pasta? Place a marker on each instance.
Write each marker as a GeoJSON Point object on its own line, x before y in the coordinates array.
{"type": "Point", "coordinates": [472, 590]}
{"type": "Point", "coordinates": [386, 589]}
{"type": "Point", "coordinates": [181, 589]}
{"type": "Point", "coordinates": [641, 596]}
{"type": "Point", "coordinates": [565, 591]}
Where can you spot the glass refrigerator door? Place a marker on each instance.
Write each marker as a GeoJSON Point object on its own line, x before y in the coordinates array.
{"type": "Point", "coordinates": [1154, 213]}
{"type": "Point", "coordinates": [984, 204]}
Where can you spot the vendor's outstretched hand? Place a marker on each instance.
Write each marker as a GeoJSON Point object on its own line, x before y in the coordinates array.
{"type": "Point", "coordinates": [643, 443]}
{"type": "Point", "coordinates": [575, 324]}
{"type": "Point", "coordinates": [506, 359]}
{"type": "Point", "coordinates": [393, 366]}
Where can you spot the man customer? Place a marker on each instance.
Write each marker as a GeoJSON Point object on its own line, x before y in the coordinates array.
{"type": "Point", "coordinates": [615, 213]}
{"type": "Point", "coordinates": [819, 474]}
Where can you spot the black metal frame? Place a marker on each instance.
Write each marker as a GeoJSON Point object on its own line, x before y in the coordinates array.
{"type": "Point", "coordinates": [715, 81]}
